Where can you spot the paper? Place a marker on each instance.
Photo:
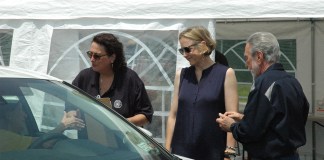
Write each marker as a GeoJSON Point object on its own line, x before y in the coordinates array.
{"type": "Point", "coordinates": [105, 101]}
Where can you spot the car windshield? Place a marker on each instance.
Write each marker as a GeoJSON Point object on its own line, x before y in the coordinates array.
{"type": "Point", "coordinates": [43, 103]}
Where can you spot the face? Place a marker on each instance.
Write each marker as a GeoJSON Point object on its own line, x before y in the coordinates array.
{"type": "Point", "coordinates": [101, 62]}
{"type": "Point", "coordinates": [251, 62]}
{"type": "Point", "coordinates": [17, 119]}
{"type": "Point", "coordinates": [193, 56]}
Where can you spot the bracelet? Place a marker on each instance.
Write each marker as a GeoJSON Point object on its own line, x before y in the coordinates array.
{"type": "Point", "coordinates": [230, 151]}
{"type": "Point", "coordinates": [231, 148]}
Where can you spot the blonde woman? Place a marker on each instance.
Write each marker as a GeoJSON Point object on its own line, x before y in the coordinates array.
{"type": "Point", "coordinates": [201, 92]}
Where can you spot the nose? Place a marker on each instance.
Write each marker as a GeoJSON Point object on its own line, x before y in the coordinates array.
{"type": "Point", "coordinates": [92, 59]}
{"type": "Point", "coordinates": [185, 54]}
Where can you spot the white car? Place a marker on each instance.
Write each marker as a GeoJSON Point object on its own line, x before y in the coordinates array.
{"type": "Point", "coordinates": [43, 101]}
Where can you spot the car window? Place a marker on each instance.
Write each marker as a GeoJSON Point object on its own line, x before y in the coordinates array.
{"type": "Point", "coordinates": [43, 105]}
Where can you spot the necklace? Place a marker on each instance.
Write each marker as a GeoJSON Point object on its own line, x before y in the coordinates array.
{"type": "Point", "coordinates": [105, 84]}
{"type": "Point", "coordinates": [100, 86]}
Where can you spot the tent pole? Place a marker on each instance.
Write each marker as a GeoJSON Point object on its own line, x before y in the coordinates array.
{"type": "Point", "coordinates": [313, 86]}
{"type": "Point", "coordinates": [313, 63]}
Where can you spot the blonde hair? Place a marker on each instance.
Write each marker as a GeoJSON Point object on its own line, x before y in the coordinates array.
{"type": "Point", "coordinates": [198, 34]}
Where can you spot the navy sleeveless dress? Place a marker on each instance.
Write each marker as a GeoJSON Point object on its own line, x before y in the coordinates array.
{"type": "Point", "coordinates": [196, 133]}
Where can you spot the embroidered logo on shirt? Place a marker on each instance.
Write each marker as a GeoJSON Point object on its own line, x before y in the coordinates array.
{"type": "Point", "coordinates": [118, 104]}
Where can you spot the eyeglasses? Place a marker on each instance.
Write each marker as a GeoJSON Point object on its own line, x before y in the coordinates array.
{"type": "Point", "coordinates": [96, 56]}
{"type": "Point", "coordinates": [187, 49]}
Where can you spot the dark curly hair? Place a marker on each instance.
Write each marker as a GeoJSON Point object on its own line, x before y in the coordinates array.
{"type": "Point", "coordinates": [112, 45]}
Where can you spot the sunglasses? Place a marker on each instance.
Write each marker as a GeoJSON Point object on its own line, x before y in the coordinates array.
{"type": "Point", "coordinates": [187, 49]}
{"type": "Point", "coordinates": [95, 56]}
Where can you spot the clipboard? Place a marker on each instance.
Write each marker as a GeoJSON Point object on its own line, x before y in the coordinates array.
{"type": "Point", "coordinates": [106, 101]}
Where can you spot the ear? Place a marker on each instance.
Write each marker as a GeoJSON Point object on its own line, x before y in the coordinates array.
{"type": "Point", "coordinates": [203, 42]}
{"type": "Point", "coordinates": [204, 47]}
{"type": "Point", "coordinates": [113, 58]}
{"type": "Point", "coordinates": [260, 56]}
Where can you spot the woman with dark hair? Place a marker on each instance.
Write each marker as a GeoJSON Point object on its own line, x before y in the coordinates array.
{"type": "Point", "coordinates": [109, 77]}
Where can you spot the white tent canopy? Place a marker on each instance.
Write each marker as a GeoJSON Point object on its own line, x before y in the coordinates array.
{"type": "Point", "coordinates": [33, 21]}
{"type": "Point", "coordinates": [157, 9]}
{"type": "Point", "coordinates": [37, 18]}
{"type": "Point", "coordinates": [52, 36]}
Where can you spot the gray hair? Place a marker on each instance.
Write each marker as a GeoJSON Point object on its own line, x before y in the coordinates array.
{"type": "Point", "coordinates": [266, 43]}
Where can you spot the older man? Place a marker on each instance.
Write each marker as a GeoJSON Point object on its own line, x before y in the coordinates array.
{"type": "Point", "coordinates": [273, 123]}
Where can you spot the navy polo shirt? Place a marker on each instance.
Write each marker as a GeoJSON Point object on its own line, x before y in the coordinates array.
{"type": "Point", "coordinates": [127, 93]}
